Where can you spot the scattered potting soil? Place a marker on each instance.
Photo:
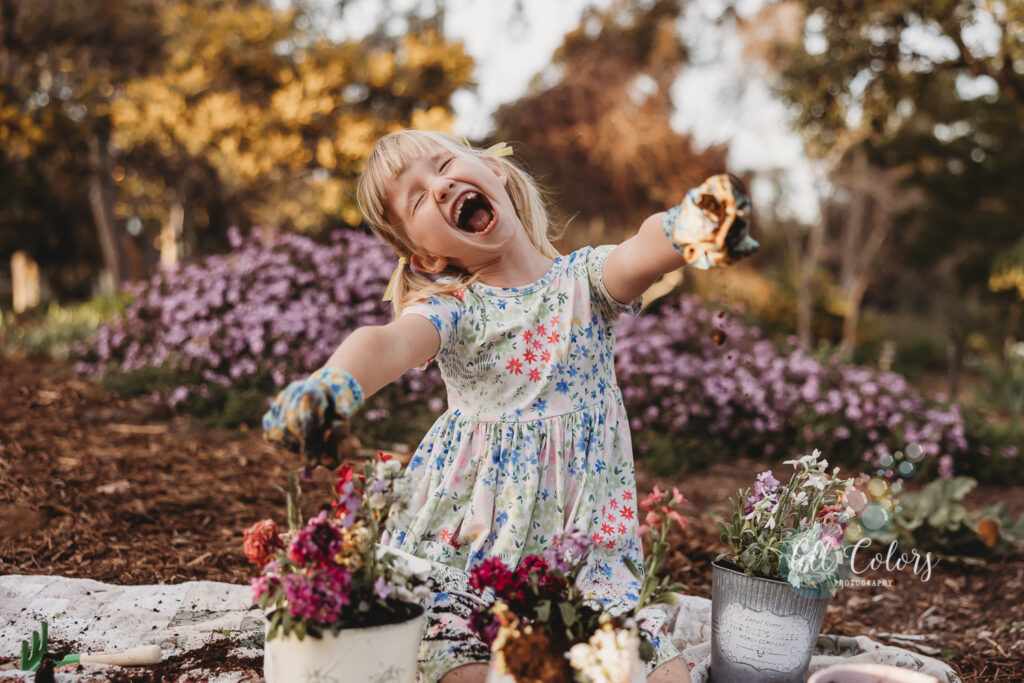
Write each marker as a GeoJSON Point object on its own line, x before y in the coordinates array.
{"type": "Point", "coordinates": [94, 486]}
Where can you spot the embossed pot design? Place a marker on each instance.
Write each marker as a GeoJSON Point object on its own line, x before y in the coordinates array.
{"type": "Point", "coordinates": [375, 654]}
{"type": "Point", "coordinates": [761, 629]}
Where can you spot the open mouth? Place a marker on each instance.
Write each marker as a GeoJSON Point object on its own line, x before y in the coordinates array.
{"type": "Point", "coordinates": [473, 213]}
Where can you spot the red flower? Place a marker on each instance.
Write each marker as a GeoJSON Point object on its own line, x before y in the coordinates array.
{"type": "Point", "coordinates": [610, 544]}
{"type": "Point", "coordinates": [514, 367]}
{"type": "Point", "coordinates": [345, 473]}
{"type": "Point", "coordinates": [607, 529]}
{"type": "Point", "coordinates": [597, 538]}
{"type": "Point", "coordinates": [613, 504]}
{"type": "Point", "coordinates": [554, 320]}
{"type": "Point", "coordinates": [446, 535]}
{"type": "Point", "coordinates": [626, 513]}
{"type": "Point", "coordinates": [527, 336]}
{"type": "Point", "coordinates": [622, 528]}
{"type": "Point", "coordinates": [384, 457]}
{"type": "Point", "coordinates": [261, 541]}
{"type": "Point", "coordinates": [460, 293]}
{"type": "Point", "coordinates": [530, 356]}
{"type": "Point", "coordinates": [541, 330]}
{"type": "Point", "coordinates": [546, 356]}
{"type": "Point", "coordinates": [627, 495]}
{"type": "Point", "coordinates": [534, 375]}
{"type": "Point", "coordinates": [537, 344]}
{"type": "Point", "coordinates": [553, 337]}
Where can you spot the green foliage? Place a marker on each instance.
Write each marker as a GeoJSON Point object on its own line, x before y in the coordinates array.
{"type": "Point", "coordinates": [56, 330]}
{"type": "Point", "coordinates": [934, 520]}
{"type": "Point", "coordinates": [1008, 270]}
{"type": "Point", "coordinates": [860, 78]}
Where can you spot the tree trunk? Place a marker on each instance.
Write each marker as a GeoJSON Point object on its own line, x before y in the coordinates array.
{"type": "Point", "coordinates": [171, 232]}
{"type": "Point", "coordinates": [102, 205]}
{"type": "Point", "coordinates": [849, 278]}
{"type": "Point", "coordinates": [806, 270]}
{"type": "Point", "coordinates": [954, 358]}
{"type": "Point", "coordinates": [24, 282]}
{"type": "Point", "coordinates": [851, 318]}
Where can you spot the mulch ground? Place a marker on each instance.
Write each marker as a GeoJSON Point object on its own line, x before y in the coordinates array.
{"type": "Point", "coordinates": [94, 486]}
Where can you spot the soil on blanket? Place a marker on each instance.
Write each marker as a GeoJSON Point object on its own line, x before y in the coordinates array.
{"type": "Point", "coordinates": [97, 487]}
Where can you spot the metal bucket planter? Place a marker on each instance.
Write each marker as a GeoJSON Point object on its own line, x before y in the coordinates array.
{"type": "Point", "coordinates": [374, 653]}
{"type": "Point", "coordinates": [761, 629]}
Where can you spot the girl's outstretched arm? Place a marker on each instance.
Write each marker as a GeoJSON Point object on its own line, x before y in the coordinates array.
{"type": "Point", "coordinates": [709, 229]}
{"type": "Point", "coordinates": [310, 416]}
{"type": "Point", "coordinates": [637, 263]}
{"type": "Point", "coordinates": [377, 355]}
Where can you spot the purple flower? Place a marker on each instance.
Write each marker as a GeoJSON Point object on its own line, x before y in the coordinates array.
{"type": "Point", "coordinates": [568, 548]}
{"type": "Point", "coordinates": [765, 485]}
{"type": "Point", "coordinates": [382, 588]}
{"type": "Point", "coordinates": [317, 543]}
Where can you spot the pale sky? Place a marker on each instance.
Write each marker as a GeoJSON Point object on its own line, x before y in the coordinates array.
{"type": "Point", "coordinates": [510, 47]}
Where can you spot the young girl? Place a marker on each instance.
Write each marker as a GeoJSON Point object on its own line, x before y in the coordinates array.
{"type": "Point", "coordinates": [535, 439]}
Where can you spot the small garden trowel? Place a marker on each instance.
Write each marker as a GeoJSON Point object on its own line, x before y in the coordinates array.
{"type": "Point", "coordinates": [32, 656]}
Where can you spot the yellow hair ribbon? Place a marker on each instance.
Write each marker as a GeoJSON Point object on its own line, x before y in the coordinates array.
{"type": "Point", "coordinates": [500, 149]}
{"type": "Point", "coordinates": [389, 292]}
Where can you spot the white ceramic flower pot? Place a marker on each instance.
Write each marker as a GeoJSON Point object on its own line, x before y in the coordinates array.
{"type": "Point", "coordinates": [376, 653]}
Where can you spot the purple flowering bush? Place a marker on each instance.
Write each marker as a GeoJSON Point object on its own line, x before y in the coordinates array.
{"type": "Point", "coordinates": [221, 336]}
{"type": "Point", "coordinates": [225, 333]}
{"type": "Point", "coordinates": [700, 386]}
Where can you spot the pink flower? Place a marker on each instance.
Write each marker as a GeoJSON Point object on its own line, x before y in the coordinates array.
{"type": "Point", "coordinates": [317, 544]}
{"type": "Point", "coordinates": [650, 501]}
{"type": "Point", "coordinates": [320, 596]}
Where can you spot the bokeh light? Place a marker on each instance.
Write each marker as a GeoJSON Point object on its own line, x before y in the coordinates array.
{"type": "Point", "coordinates": [877, 488]}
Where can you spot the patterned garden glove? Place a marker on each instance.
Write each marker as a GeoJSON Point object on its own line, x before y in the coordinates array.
{"type": "Point", "coordinates": [711, 228]}
{"type": "Point", "coordinates": [310, 416]}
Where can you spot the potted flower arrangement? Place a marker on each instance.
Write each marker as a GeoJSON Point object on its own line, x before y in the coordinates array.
{"type": "Point", "coordinates": [770, 592]}
{"type": "Point", "coordinates": [542, 627]}
{"type": "Point", "coordinates": [338, 607]}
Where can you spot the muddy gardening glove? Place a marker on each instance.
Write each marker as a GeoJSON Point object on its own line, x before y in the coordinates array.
{"type": "Point", "coordinates": [310, 417]}
{"type": "Point", "coordinates": [711, 228]}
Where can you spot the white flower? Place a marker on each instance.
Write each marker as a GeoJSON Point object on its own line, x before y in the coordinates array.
{"type": "Point", "coordinates": [809, 462]}
{"type": "Point", "coordinates": [377, 500]}
{"type": "Point", "coordinates": [390, 468]}
{"type": "Point", "coordinates": [819, 482]}
{"type": "Point", "coordinates": [608, 657]}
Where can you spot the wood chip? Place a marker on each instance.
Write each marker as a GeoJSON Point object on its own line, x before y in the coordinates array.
{"type": "Point", "coordinates": [138, 429]}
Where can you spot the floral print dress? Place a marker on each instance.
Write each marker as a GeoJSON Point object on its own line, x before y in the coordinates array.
{"type": "Point", "coordinates": [535, 440]}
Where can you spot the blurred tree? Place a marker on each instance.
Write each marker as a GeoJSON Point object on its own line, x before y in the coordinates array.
{"type": "Point", "coordinates": [173, 119]}
{"type": "Point", "coordinates": [252, 103]}
{"type": "Point", "coordinates": [931, 91]}
{"type": "Point", "coordinates": [595, 127]}
{"type": "Point", "coordinates": [61, 63]}
{"type": "Point", "coordinates": [1008, 272]}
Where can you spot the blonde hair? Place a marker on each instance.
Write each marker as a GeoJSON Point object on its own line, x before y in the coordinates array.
{"type": "Point", "coordinates": [390, 156]}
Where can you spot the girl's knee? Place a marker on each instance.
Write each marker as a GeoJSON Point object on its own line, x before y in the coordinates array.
{"type": "Point", "coordinates": [672, 671]}
{"type": "Point", "coordinates": [467, 673]}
